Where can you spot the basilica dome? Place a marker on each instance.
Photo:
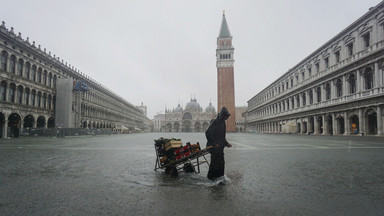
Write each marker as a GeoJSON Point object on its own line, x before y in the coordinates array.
{"type": "Point", "coordinates": [210, 108]}
{"type": "Point", "coordinates": [178, 109]}
{"type": "Point", "coordinates": [193, 106]}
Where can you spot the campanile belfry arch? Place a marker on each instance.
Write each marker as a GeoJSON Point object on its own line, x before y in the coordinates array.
{"type": "Point", "coordinates": [225, 73]}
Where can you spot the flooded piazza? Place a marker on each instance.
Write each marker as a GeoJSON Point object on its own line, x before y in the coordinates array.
{"type": "Point", "coordinates": [269, 175]}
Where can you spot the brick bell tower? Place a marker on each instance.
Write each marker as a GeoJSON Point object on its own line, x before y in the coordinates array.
{"type": "Point", "coordinates": [225, 74]}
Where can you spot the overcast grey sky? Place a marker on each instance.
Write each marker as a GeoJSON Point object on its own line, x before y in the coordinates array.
{"type": "Point", "coordinates": [160, 52]}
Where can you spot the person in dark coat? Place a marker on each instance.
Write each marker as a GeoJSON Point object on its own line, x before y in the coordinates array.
{"type": "Point", "coordinates": [215, 135]}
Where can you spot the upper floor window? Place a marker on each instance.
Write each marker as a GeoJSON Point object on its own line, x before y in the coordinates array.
{"type": "Point", "coordinates": [318, 92]}
{"type": "Point", "coordinates": [12, 65]}
{"type": "Point", "coordinates": [352, 84]}
{"type": "Point", "coordinates": [3, 61]}
{"type": "Point", "coordinates": [310, 94]}
{"type": "Point", "coordinates": [366, 39]}
{"type": "Point", "coordinates": [3, 87]}
{"type": "Point", "coordinates": [337, 56]}
{"type": "Point", "coordinates": [20, 67]}
{"type": "Point", "coordinates": [302, 75]}
{"type": "Point", "coordinates": [33, 75]}
{"type": "Point", "coordinates": [339, 88]}
{"type": "Point", "coordinates": [350, 49]}
{"type": "Point", "coordinates": [304, 99]}
{"type": "Point", "coordinates": [317, 67]}
{"type": "Point", "coordinates": [27, 70]}
{"type": "Point", "coordinates": [297, 79]}
{"type": "Point", "coordinates": [309, 72]}
{"type": "Point", "coordinates": [12, 93]}
{"type": "Point", "coordinates": [328, 92]}
{"type": "Point", "coordinates": [291, 82]}
{"type": "Point", "coordinates": [326, 62]}
{"type": "Point", "coordinates": [368, 78]}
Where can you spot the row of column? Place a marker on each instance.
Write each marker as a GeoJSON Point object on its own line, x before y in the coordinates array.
{"type": "Point", "coordinates": [306, 126]}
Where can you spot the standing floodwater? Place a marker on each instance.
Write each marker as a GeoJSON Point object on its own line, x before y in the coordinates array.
{"type": "Point", "coordinates": [267, 175]}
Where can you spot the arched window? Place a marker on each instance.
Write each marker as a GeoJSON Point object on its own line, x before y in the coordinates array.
{"type": "Point", "coordinates": [12, 90]}
{"type": "Point", "coordinates": [38, 101]}
{"type": "Point", "coordinates": [297, 100]}
{"type": "Point", "coordinates": [50, 102]}
{"type": "Point", "coordinates": [304, 99]}
{"type": "Point", "coordinates": [328, 92]}
{"type": "Point", "coordinates": [12, 64]}
{"type": "Point", "coordinates": [3, 90]}
{"type": "Point", "coordinates": [20, 95]}
{"type": "Point", "coordinates": [45, 77]}
{"type": "Point", "coordinates": [3, 61]}
{"type": "Point", "coordinates": [26, 96]}
{"type": "Point", "coordinates": [20, 64]}
{"type": "Point", "coordinates": [33, 98]}
{"type": "Point", "coordinates": [339, 88]}
{"type": "Point", "coordinates": [310, 94]}
{"type": "Point", "coordinates": [50, 80]}
{"type": "Point", "coordinates": [44, 100]}
{"type": "Point", "coordinates": [27, 69]}
{"type": "Point", "coordinates": [54, 81]}
{"type": "Point", "coordinates": [33, 75]}
{"type": "Point", "coordinates": [352, 84]}
{"type": "Point", "coordinates": [318, 92]}
{"type": "Point", "coordinates": [368, 78]}
{"type": "Point", "coordinates": [39, 75]}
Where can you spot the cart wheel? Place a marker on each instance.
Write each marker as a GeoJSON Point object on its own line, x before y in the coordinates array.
{"type": "Point", "coordinates": [188, 168]}
{"type": "Point", "coordinates": [171, 171]}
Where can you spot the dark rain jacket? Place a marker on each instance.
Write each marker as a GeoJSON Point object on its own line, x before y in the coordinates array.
{"type": "Point", "coordinates": [215, 133]}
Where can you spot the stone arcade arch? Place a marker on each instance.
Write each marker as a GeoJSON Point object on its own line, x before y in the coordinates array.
{"type": "Point", "coordinates": [197, 127]}
{"type": "Point", "coordinates": [14, 122]}
{"type": "Point", "coordinates": [2, 124]}
{"type": "Point", "coordinates": [169, 127]}
{"type": "Point", "coordinates": [320, 123]}
{"type": "Point", "coordinates": [40, 122]}
{"type": "Point", "coordinates": [311, 124]}
{"type": "Point", "coordinates": [186, 126]}
{"type": "Point", "coordinates": [51, 122]}
{"type": "Point", "coordinates": [354, 124]}
{"type": "Point", "coordinates": [340, 124]}
{"type": "Point", "coordinates": [176, 127]}
{"type": "Point", "coordinates": [29, 120]}
{"type": "Point", "coordinates": [330, 124]}
{"type": "Point", "coordinates": [371, 121]}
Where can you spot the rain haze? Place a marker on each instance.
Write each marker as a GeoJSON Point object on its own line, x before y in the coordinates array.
{"type": "Point", "coordinates": [162, 53]}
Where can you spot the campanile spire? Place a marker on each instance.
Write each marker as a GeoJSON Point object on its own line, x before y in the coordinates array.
{"type": "Point", "coordinates": [225, 73]}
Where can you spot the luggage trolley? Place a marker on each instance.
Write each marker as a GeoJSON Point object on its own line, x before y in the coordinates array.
{"type": "Point", "coordinates": [170, 154]}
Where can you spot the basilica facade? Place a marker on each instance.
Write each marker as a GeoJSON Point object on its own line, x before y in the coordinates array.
{"type": "Point", "coordinates": [39, 90]}
{"type": "Point", "coordinates": [336, 90]}
{"type": "Point", "coordinates": [192, 118]}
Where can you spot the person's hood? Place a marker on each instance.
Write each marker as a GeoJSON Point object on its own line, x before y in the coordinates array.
{"type": "Point", "coordinates": [223, 112]}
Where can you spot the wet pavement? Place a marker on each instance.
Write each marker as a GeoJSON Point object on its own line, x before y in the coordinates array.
{"type": "Point", "coordinates": [270, 175]}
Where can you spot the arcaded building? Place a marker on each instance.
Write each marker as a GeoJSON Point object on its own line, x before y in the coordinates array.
{"type": "Point", "coordinates": [39, 90]}
{"type": "Point", "coordinates": [338, 89]}
{"type": "Point", "coordinates": [192, 118]}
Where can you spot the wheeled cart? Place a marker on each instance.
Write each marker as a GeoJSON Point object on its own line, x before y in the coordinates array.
{"type": "Point", "coordinates": [186, 158]}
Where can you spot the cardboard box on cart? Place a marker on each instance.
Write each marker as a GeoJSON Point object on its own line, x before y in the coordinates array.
{"type": "Point", "coordinates": [173, 144]}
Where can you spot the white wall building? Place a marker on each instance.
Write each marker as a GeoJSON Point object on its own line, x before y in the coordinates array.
{"type": "Point", "coordinates": [338, 89]}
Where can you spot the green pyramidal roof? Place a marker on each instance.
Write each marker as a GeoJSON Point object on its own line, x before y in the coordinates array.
{"type": "Point", "coordinates": [224, 30]}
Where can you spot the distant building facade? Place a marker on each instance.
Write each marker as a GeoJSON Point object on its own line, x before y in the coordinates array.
{"type": "Point", "coordinates": [38, 90]}
{"type": "Point", "coordinates": [225, 74]}
{"type": "Point", "coordinates": [338, 89]}
{"type": "Point", "coordinates": [240, 118]}
{"type": "Point", "coordinates": [192, 118]}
